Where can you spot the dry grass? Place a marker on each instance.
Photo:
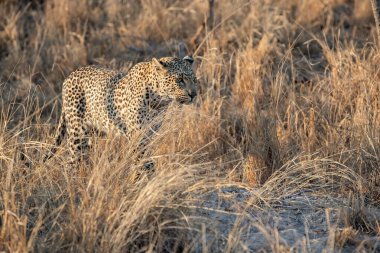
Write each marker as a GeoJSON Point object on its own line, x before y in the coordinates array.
{"type": "Point", "coordinates": [289, 103]}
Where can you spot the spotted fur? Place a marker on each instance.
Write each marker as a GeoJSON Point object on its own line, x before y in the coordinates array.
{"type": "Point", "coordinates": [107, 100]}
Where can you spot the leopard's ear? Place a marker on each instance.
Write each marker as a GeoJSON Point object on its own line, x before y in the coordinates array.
{"type": "Point", "coordinates": [182, 50]}
{"type": "Point", "coordinates": [158, 64]}
{"type": "Point", "coordinates": [189, 59]}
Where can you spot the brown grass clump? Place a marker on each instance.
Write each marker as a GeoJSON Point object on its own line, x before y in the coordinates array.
{"type": "Point", "coordinates": [286, 126]}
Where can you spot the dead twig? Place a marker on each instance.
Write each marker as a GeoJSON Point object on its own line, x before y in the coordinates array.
{"type": "Point", "coordinates": [207, 24]}
{"type": "Point", "coordinates": [375, 8]}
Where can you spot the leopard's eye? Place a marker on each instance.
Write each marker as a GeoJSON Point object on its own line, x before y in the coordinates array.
{"type": "Point", "coordinates": [181, 83]}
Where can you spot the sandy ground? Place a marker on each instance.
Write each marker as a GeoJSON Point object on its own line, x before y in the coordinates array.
{"type": "Point", "coordinates": [298, 223]}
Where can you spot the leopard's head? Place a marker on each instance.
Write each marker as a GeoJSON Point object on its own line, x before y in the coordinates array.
{"type": "Point", "coordinates": [176, 78]}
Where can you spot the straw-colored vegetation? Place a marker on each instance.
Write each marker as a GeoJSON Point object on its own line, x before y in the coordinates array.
{"type": "Point", "coordinates": [286, 124]}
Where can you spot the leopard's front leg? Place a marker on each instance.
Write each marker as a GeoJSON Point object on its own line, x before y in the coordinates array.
{"type": "Point", "coordinates": [149, 127]}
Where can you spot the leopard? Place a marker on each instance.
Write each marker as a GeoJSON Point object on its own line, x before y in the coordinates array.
{"type": "Point", "coordinates": [106, 100]}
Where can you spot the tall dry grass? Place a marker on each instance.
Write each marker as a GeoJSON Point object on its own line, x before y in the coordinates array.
{"type": "Point", "coordinates": [288, 102]}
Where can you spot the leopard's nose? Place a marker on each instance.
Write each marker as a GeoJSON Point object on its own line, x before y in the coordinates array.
{"type": "Point", "coordinates": [192, 95]}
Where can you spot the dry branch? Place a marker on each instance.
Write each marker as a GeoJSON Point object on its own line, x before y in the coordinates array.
{"type": "Point", "coordinates": [376, 13]}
